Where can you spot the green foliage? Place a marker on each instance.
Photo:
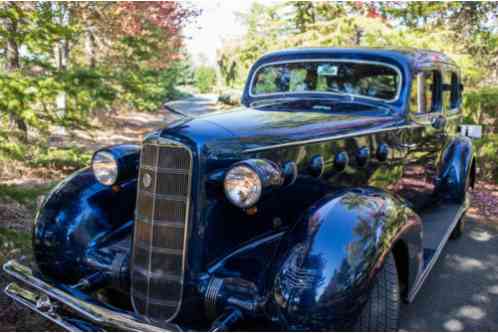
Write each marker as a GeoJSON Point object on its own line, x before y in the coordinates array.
{"type": "Point", "coordinates": [60, 158]}
{"type": "Point", "coordinates": [24, 195]}
{"type": "Point", "coordinates": [63, 63]}
{"type": "Point", "coordinates": [13, 241]}
{"type": "Point", "coordinates": [481, 107]}
{"type": "Point", "coordinates": [40, 155]}
{"type": "Point", "coordinates": [205, 79]}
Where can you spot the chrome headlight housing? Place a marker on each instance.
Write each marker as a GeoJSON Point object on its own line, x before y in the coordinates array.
{"type": "Point", "coordinates": [105, 167]}
{"type": "Point", "coordinates": [246, 181]}
{"type": "Point", "coordinates": [116, 164]}
{"type": "Point", "coordinates": [242, 186]}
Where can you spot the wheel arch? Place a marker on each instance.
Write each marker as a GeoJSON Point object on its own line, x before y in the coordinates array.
{"type": "Point", "coordinates": [455, 165]}
{"type": "Point", "coordinates": [343, 242]}
{"type": "Point", "coordinates": [401, 256]}
{"type": "Point", "coordinates": [473, 172]}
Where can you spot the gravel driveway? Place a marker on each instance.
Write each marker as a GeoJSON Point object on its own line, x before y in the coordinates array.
{"type": "Point", "coordinates": [461, 293]}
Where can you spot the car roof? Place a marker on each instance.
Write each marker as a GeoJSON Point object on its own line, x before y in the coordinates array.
{"type": "Point", "coordinates": [414, 58]}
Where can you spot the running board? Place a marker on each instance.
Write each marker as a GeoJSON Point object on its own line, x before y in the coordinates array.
{"type": "Point", "coordinates": [438, 226]}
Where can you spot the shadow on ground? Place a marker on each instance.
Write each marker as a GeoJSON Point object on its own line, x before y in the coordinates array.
{"type": "Point", "coordinates": [461, 293]}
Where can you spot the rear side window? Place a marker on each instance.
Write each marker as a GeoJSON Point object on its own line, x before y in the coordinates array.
{"type": "Point", "coordinates": [451, 91]}
{"type": "Point", "coordinates": [424, 97]}
{"type": "Point", "coordinates": [456, 91]}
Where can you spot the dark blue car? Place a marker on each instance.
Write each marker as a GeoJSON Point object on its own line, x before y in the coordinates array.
{"type": "Point", "coordinates": [321, 203]}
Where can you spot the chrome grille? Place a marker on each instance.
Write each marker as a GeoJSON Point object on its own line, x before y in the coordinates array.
{"type": "Point", "coordinates": [161, 216]}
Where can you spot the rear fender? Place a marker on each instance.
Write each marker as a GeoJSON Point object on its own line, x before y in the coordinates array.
{"type": "Point", "coordinates": [454, 168]}
{"type": "Point", "coordinates": [339, 247]}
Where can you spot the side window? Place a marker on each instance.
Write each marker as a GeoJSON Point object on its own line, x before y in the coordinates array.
{"type": "Point", "coordinates": [414, 93]}
{"type": "Point", "coordinates": [446, 93]}
{"type": "Point", "coordinates": [424, 97]}
{"type": "Point", "coordinates": [456, 92]}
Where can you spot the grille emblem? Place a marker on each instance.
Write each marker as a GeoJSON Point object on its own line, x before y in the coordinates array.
{"type": "Point", "coordinates": [146, 180]}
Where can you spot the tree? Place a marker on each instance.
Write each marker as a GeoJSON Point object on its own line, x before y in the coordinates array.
{"type": "Point", "coordinates": [91, 56]}
{"type": "Point", "coordinates": [12, 20]}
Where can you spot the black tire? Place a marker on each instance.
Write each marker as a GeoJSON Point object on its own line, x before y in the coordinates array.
{"type": "Point", "coordinates": [381, 313]}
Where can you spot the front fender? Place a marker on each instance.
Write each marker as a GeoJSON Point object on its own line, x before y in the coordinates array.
{"type": "Point", "coordinates": [341, 244]}
{"type": "Point", "coordinates": [454, 169]}
{"type": "Point", "coordinates": [79, 215]}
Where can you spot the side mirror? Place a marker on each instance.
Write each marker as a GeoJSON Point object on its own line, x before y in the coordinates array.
{"type": "Point", "coordinates": [471, 131]}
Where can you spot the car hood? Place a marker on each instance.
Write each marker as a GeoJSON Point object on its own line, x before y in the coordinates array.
{"type": "Point", "coordinates": [243, 128]}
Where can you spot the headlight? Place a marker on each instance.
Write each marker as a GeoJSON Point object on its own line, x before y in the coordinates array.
{"type": "Point", "coordinates": [105, 168]}
{"type": "Point", "coordinates": [246, 181]}
{"type": "Point", "coordinates": [242, 186]}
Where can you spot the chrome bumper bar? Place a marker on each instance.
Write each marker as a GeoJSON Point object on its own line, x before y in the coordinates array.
{"type": "Point", "coordinates": [46, 298]}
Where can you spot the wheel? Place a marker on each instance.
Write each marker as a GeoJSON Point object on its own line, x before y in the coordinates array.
{"type": "Point", "coordinates": [381, 313]}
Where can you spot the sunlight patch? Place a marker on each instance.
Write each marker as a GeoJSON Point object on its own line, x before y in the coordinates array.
{"type": "Point", "coordinates": [453, 325]}
{"type": "Point", "coordinates": [471, 312]}
{"type": "Point", "coordinates": [468, 264]}
{"type": "Point", "coordinates": [481, 236]}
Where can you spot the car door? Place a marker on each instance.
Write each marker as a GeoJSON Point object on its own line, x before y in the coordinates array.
{"type": "Point", "coordinates": [421, 143]}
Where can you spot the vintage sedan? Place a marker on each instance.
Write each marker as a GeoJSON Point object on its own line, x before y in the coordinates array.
{"type": "Point", "coordinates": [321, 203]}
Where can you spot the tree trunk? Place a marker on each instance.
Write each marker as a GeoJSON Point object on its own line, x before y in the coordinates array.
{"type": "Point", "coordinates": [90, 46]}
{"type": "Point", "coordinates": [13, 64]}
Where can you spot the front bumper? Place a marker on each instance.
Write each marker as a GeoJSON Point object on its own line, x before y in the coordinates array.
{"type": "Point", "coordinates": [47, 299]}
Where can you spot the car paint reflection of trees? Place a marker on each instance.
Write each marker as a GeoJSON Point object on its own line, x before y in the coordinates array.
{"type": "Point", "coordinates": [347, 234]}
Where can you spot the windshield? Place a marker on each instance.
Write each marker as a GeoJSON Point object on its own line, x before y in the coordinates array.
{"type": "Point", "coordinates": [363, 79]}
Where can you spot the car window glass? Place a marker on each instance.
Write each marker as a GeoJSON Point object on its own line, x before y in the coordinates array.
{"type": "Point", "coordinates": [428, 92]}
{"type": "Point", "coordinates": [424, 92]}
{"type": "Point", "coordinates": [446, 93]}
{"type": "Point", "coordinates": [455, 91]}
{"type": "Point", "coordinates": [414, 96]}
{"type": "Point", "coordinates": [361, 79]}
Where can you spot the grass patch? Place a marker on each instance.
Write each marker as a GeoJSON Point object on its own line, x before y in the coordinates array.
{"type": "Point", "coordinates": [14, 242]}
{"type": "Point", "coordinates": [23, 194]}
{"type": "Point", "coordinates": [45, 157]}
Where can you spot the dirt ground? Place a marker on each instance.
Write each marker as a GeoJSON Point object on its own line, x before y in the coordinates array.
{"type": "Point", "coordinates": [16, 217]}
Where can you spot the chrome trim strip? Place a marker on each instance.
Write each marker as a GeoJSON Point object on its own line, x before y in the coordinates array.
{"type": "Point", "coordinates": [178, 198]}
{"type": "Point", "coordinates": [332, 137]}
{"type": "Point", "coordinates": [343, 60]}
{"type": "Point", "coordinates": [168, 277]}
{"type": "Point", "coordinates": [162, 223]}
{"type": "Point", "coordinates": [416, 288]}
{"type": "Point", "coordinates": [29, 299]}
{"type": "Point", "coordinates": [164, 170]}
{"type": "Point", "coordinates": [165, 302]}
{"type": "Point", "coordinates": [163, 250]}
{"type": "Point", "coordinates": [151, 235]}
{"type": "Point", "coordinates": [99, 315]}
{"type": "Point", "coordinates": [210, 296]}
